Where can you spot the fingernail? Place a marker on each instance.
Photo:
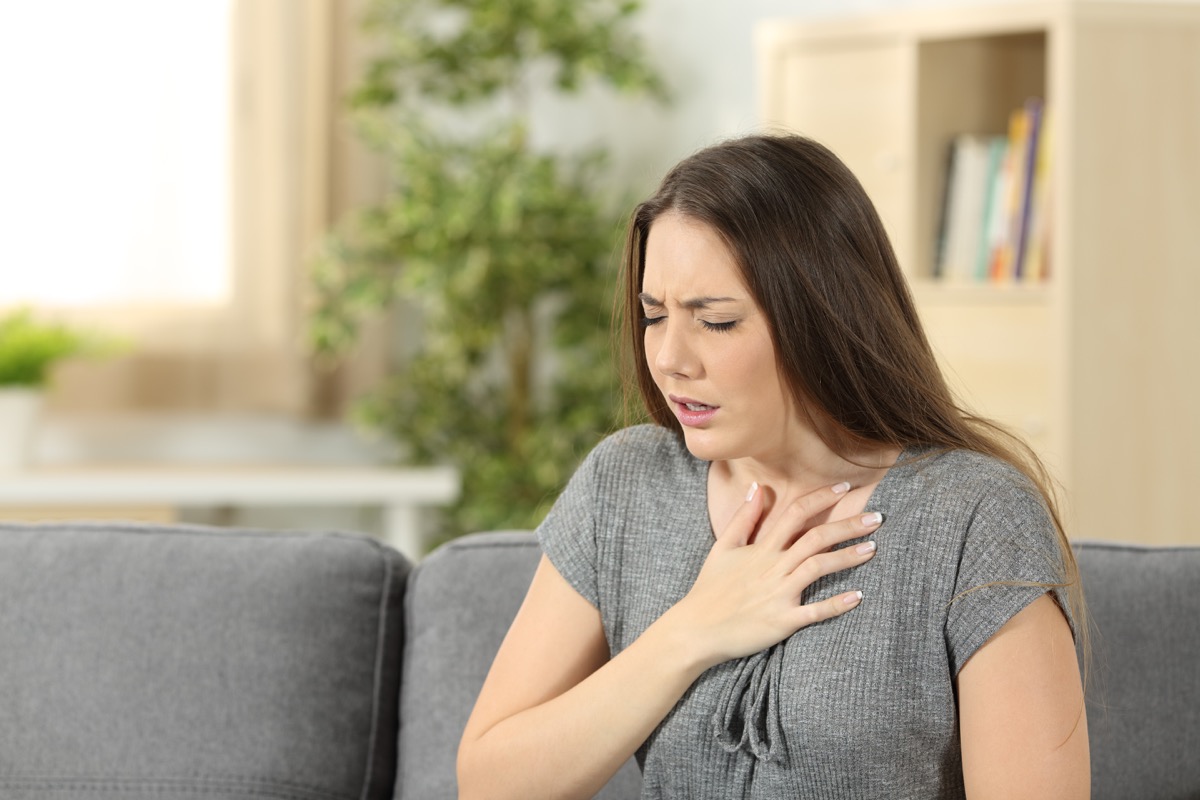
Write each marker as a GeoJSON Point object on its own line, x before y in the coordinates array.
{"type": "Point", "coordinates": [874, 518]}
{"type": "Point", "coordinates": [864, 548]}
{"type": "Point", "coordinates": [841, 488]}
{"type": "Point", "coordinates": [753, 491]}
{"type": "Point", "coordinates": [852, 599]}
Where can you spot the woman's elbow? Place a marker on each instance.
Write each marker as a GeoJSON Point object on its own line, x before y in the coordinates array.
{"type": "Point", "coordinates": [467, 771]}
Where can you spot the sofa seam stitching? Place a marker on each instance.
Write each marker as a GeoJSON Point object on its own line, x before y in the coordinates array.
{"type": "Point", "coordinates": [376, 689]}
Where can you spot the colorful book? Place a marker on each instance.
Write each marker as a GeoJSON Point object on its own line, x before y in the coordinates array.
{"type": "Point", "coordinates": [997, 218]}
{"type": "Point", "coordinates": [997, 148]}
{"type": "Point", "coordinates": [996, 203]}
{"type": "Point", "coordinates": [1037, 246]}
{"type": "Point", "coordinates": [1024, 201]}
{"type": "Point", "coordinates": [1003, 258]}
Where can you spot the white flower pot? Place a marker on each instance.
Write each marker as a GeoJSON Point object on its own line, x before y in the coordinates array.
{"type": "Point", "coordinates": [20, 408]}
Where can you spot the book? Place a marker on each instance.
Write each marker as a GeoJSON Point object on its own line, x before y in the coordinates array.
{"type": "Point", "coordinates": [963, 209]}
{"type": "Point", "coordinates": [993, 225]}
{"type": "Point", "coordinates": [998, 215]}
{"type": "Point", "coordinates": [1007, 201]}
{"type": "Point", "coordinates": [1027, 161]}
{"type": "Point", "coordinates": [939, 242]}
{"type": "Point", "coordinates": [997, 149]}
{"type": "Point", "coordinates": [1037, 246]}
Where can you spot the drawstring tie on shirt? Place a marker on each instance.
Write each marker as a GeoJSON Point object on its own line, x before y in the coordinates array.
{"type": "Point", "coordinates": [747, 716]}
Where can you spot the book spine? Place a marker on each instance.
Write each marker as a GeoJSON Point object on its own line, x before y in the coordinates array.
{"type": "Point", "coordinates": [993, 190]}
{"type": "Point", "coordinates": [1028, 162]}
{"type": "Point", "coordinates": [1037, 246]}
{"type": "Point", "coordinates": [939, 250]}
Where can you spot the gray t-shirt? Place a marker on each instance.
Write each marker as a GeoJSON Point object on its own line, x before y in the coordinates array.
{"type": "Point", "coordinates": [860, 706]}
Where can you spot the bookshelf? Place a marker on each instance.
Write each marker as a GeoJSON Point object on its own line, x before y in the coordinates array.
{"type": "Point", "coordinates": [1099, 365]}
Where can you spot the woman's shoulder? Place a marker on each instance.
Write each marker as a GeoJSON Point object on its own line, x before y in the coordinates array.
{"type": "Point", "coordinates": [627, 474]}
{"type": "Point", "coordinates": [643, 454]}
{"type": "Point", "coordinates": [968, 477]}
{"type": "Point", "coordinates": [963, 467]}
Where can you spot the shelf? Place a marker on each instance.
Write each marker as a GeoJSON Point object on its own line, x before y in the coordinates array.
{"type": "Point", "coordinates": [937, 293]}
{"type": "Point", "coordinates": [399, 492]}
{"type": "Point", "coordinates": [1098, 367]}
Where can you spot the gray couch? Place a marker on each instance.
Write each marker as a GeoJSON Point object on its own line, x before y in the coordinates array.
{"type": "Point", "coordinates": [183, 662]}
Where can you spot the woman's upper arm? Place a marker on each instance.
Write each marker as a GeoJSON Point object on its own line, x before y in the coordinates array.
{"type": "Point", "coordinates": [556, 640]}
{"type": "Point", "coordinates": [1021, 713]}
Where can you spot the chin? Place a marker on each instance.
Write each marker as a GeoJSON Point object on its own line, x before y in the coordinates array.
{"type": "Point", "coordinates": [704, 445]}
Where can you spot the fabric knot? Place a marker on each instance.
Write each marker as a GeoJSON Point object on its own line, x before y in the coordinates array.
{"type": "Point", "coordinates": [747, 716]}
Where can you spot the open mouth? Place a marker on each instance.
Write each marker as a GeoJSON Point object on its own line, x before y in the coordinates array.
{"type": "Point", "coordinates": [692, 412]}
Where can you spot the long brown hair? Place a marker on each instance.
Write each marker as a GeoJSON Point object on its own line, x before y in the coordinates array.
{"type": "Point", "coordinates": [815, 257]}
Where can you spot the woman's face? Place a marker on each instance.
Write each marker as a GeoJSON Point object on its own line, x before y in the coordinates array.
{"type": "Point", "coordinates": [709, 348]}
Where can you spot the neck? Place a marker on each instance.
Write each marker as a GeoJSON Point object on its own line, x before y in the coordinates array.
{"type": "Point", "coordinates": [809, 464]}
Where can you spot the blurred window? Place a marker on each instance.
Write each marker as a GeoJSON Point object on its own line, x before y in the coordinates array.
{"type": "Point", "coordinates": [167, 169]}
{"type": "Point", "coordinates": [115, 152]}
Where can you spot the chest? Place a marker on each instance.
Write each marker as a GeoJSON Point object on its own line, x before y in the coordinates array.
{"type": "Point", "coordinates": [724, 500]}
{"type": "Point", "coordinates": [867, 697]}
{"type": "Point", "coordinates": [859, 691]}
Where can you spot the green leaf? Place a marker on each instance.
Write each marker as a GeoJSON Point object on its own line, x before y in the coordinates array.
{"type": "Point", "coordinates": [29, 348]}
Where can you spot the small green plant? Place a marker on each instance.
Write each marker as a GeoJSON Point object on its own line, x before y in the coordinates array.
{"type": "Point", "coordinates": [29, 348]}
{"type": "Point", "coordinates": [505, 250]}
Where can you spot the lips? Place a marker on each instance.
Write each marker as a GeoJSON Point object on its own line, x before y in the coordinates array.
{"type": "Point", "coordinates": [692, 412]}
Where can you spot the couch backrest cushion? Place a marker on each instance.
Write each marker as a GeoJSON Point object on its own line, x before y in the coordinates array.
{"type": "Point", "coordinates": [1143, 690]}
{"type": "Point", "coordinates": [181, 662]}
{"type": "Point", "coordinates": [1143, 693]}
{"type": "Point", "coordinates": [460, 602]}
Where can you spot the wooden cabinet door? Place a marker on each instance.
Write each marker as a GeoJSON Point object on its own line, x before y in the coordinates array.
{"type": "Point", "coordinates": [856, 98]}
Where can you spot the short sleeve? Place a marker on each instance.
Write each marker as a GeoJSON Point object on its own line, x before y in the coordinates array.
{"type": "Point", "coordinates": [1010, 557]}
{"type": "Point", "coordinates": [568, 533]}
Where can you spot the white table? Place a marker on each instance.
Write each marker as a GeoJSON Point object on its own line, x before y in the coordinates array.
{"type": "Point", "coordinates": [400, 492]}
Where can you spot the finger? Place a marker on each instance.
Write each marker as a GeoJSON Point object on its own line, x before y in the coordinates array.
{"type": "Point", "coordinates": [835, 606]}
{"type": "Point", "coordinates": [794, 519]}
{"type": "Point", "coordinates": [826, 537]}
{"type": "Point", "coordinates": [813, 568]}
{"type": "Point", "coordinates": [740, 528]}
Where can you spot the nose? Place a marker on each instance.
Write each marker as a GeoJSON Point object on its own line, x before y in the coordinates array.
{"type": "Point", "coordinates": [670, 351]}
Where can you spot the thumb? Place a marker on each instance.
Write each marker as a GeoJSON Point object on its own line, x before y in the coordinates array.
{"type": "Point", "coordinates": [740, 528]}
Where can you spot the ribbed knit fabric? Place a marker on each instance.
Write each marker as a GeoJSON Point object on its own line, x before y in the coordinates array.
{"type": "Point", "coordinates": [861, 706]}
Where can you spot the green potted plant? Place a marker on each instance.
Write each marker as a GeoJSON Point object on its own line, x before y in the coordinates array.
{"type": "Point", "coordinates": [505, 250]}
{"type": "Point", "coordinates": [29, 349]}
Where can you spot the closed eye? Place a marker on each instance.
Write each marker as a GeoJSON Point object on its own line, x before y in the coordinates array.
{"type": "Point", "coordinates": [716, 327]}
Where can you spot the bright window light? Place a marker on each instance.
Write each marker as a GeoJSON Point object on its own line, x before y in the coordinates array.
{"type": "Point", "coordinates": [114, 152]}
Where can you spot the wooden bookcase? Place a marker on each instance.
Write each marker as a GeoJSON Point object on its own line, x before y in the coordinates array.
{"type": "Point", "coordinates": [1099, 366]}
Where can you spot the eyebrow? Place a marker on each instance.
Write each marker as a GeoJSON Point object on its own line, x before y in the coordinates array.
{"type": "Point", "coordinates": [693, 303]}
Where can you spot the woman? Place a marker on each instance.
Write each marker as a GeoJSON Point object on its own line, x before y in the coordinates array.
{"type": "Point", "coordinates": [882, 609]}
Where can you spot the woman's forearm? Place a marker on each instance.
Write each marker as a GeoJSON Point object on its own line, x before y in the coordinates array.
{"type": "Point", "coordinates": [569, 746]}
